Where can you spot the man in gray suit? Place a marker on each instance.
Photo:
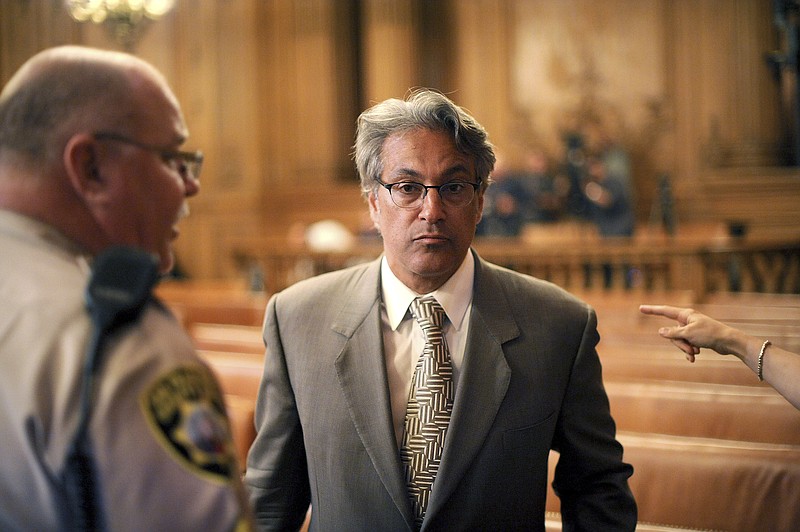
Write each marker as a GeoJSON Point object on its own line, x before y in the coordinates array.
{"type": "Point", "coordinates": [518, 362]}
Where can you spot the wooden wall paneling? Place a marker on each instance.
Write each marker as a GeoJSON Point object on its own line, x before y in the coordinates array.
{"type": "Point", "coordinates": [757, 37]}
{"type": "Point", "coordinates": [197, 87]}
{"type": "Point", "coordinates": [239, 132]}
{"type": "Point", "coordinates": [766, 199]}
{"type": "Point", "coordinates": [686, 76]}
{"type": "Point", "coordinates": [281, 142]}
{"type": "Point", "coordinates": [726, 106]}
{"type": "Point", "coordinates": [319, 147]}
{"type": "Point", "coordinates": [727, 126]}
{"type": "Point", "coordinates": [347, 87]}
{"type": "Point", "coordinates": [390, 49]}
{"type": "Point", "coordinates": [482, 33]}
{"type": "Point", "coordinates": [28, 27]}
{"type": "Point", "coordinates": [714, 74]}
{"type": "Point", "coordinates": [309, 105]}
{"type": "Point", "coordinates": [247, 225]}
{"type": "Point", "coordinates": [270, 89]}
{"type": "Point", "coordinates": [437, 48]}
{"type": "Point", "coordinates": [216, 79]}
{"type": "Point", "coordinates": [277, 106]}
{"type": "Point", "coordinates": [737, 86]}
{"type": "Point", "coordinates": [303, 106]}
{"type": "Point", "coordinates": [306, 204]}
{"type": "Point", "coordinates": [681, 94]}
{"type": "Point", "coordinates": [158, 45]}
{"type": "Point", "coordinates": [236, 133]}
{"type": "Point", "coordinates": [306, 89]}
{"type": "Point", "coordinates": [669, 154]}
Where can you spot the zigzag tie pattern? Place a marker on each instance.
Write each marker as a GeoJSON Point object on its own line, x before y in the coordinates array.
{"type": "Point", "coordinates": [430, 403]}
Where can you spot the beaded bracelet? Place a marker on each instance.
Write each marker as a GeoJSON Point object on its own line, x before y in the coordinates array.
{"type": "Point", "coordinates": [761, 359]}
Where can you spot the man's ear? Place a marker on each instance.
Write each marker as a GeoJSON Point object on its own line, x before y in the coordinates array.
{"type": "Point", "coordinates": [81, 165]}
{"type": "Point", "coordinates": [480, 206]}
{"type": "Point", "coordinates": [374, 209]}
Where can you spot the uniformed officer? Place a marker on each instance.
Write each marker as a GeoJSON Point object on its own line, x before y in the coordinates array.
{"type": "Point", "coordinates": [89, 159]}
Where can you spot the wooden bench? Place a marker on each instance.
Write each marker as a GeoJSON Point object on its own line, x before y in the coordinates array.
{"type": "Point", "coordinates": [239, 375]}
{"type": "Point", "coordinates": [689, 483]}
{"type": "Point", "coordinates": [630, 362]}
{"type": "Point", "coordinates": [727, 412]}
{"type": "Point", "coordinates": [225, 337]}
{"type": "Point", "coordinates": [213, 302]}
{"type": "Point", "coordinates": [714, 484]}
{"type": "Point", "coordinates": [231, 312]}
{"type": "Point", "coordinates": [671, 471]}
{"type": "Point", "coordinates": [752, 299]}
{"type": "Point", "coordinates": [685, 427]}
{"type": "Point", "coordinates": [241, 411]}
{"type": "Point", "coordinates": [779, 324]}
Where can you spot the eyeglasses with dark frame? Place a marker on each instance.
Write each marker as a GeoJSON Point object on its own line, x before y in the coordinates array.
{"type": "Point", "coordinates": [411, 195]}
{"type": "Point", "coordinates": [187, 163]}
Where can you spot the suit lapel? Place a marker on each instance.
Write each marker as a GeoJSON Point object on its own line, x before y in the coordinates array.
{"type": "Point", "coordinates": [482, 385]}
{"type": "Point", "coordinates": [361, 369]}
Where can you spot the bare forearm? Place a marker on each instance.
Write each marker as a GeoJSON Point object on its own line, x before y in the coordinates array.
{"type": "Point", "coordinates": [694, 330]}
{"type": "Point", "coordinates": [780, 368]}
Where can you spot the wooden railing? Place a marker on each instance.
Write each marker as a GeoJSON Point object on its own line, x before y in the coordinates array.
{"type": "Point", "coordinates": [702, 259]}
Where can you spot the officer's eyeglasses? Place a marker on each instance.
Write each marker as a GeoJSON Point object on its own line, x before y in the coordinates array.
{"type": "Point", "coordinates": [187, 163]}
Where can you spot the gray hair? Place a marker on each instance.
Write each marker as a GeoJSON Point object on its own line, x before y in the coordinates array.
{"type": "Point", "coordinates": [422, 109]}
{"type": "Point", "coordinates": [62, 91]}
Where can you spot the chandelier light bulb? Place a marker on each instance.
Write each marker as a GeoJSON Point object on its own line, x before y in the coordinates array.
{"type": "Point", "coordinates": [125, 19]}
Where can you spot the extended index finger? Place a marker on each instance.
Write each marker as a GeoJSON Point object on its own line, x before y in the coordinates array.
{"type": "Point", "coordinates": [661, 310]}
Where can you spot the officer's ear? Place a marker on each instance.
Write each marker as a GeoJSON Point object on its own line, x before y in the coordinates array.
{"type": "Point", "coordinates": [81, 164]}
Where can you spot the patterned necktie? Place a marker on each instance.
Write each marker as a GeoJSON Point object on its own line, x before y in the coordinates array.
{"type": "Point", "coordinates": [430, 403]}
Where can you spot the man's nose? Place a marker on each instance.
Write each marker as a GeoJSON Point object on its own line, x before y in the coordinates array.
{"type": "Point", "coordinates": [432, 206]}
{"type": "Point", "coordinates": [191, 186]}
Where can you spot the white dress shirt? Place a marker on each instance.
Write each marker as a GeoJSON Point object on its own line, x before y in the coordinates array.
{"type": "Point", "coordinates": [403, 339]}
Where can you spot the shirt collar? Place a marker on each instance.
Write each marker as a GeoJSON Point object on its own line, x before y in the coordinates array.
{"type": "Point", "coordinates": [454, 296]}
{"type": "Point", "coordinates": [36, 232]}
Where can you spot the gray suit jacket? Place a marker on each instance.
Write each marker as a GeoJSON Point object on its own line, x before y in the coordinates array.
{"type": "Point", "coordinates": [530, 382]}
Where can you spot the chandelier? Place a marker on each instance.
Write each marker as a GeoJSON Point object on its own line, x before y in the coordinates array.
{"type": "Point", "coordinates": [126, 20]}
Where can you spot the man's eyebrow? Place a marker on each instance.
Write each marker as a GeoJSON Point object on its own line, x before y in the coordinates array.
{"type": "Point", "coordinates": [457, 169]}
{"type": "Point", "coordinates": [410, 173]}
{"type": "Point", "coordinates": [406, 173]}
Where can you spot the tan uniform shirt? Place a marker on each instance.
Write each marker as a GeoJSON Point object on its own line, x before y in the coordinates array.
{"type": "Point", "coordinates": [161, 440]}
